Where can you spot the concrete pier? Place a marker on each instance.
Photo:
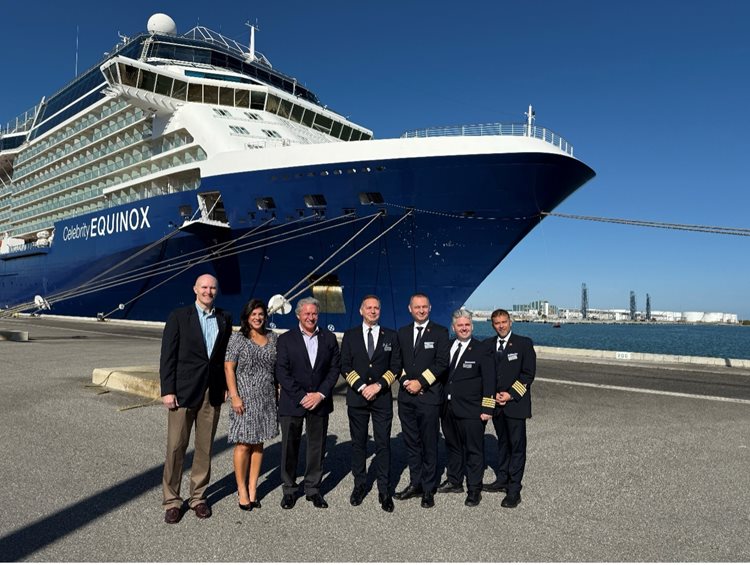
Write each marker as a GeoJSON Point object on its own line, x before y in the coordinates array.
{"type": "Point", "coordinates": [635, 462]}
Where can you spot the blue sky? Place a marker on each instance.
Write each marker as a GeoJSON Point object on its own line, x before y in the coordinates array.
{"type": "Point", "coordinates": [652, 95]}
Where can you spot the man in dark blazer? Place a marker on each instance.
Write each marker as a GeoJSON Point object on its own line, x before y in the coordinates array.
{"type": "Point", "coordinates": [307, 368]}
{"type": "Point", "coordinates": [424, 350]}
{"type": "Point", "coordinates": [370, 363]}
{"type": "Point", "coordinates": [193, 387]}
{"type": "Point", "coordinates": [469, 402]}
{"type": "Point", "coordinates": [515, 365]}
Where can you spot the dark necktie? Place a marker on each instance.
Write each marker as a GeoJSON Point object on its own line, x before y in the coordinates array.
{"type": "Point", "coordinates": [454, 361]}
{"type": "Point", "coordinates": [501, 347]}
{"type": "Point", "coordinates": [370, 343]}
{"type": "Point", "coordinates": [419, 337]}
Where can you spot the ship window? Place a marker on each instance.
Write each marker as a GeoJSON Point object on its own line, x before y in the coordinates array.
{"type": "Point", "coordinates": [308, 118]}
{"type": "Point", "coordinates": [163, 85]}
{"type": "Point", "coordinates": [239, 129]}
{"type": "Point", "coordinates": [297, 112]}
{"type": "Point", "coordinates": [252, 116]}
{"type": "Point", "coordinates": [129, 75]}
{"type": "Point", "coordinates": [336, 129]}
{"type": "Point", "coordinates": [346, 132]}
{"type": "Point", "coordinates": [322, 123]}
{"type": "Point", "coordinates": [315, 201]}
{"type": "Point", "coordinates": [365, 136]}
{"type": "Point", "coordinates": [195, 92]}
{"type": "Point", "coordinates": [266, 203]}
{"type": "Point", "coordinates": [210, 94]}
{"type": "Point", "coordinates": [242, 98]}
{"type": "Point", "coordinates": [272, 104]}
{"type": "Point", "coordinates": [108, 73]}
{"type": "Point", "coordinates": [285, 108]}
{"type": "Point", "coordinates": [223, 113]}
{"type": "Point", "coordinates": [179, 90]}
{"type": "Point", "coordinates": [226, 96]}
{"type": "Point", "coordinates": [147, 80]}
{"type": "Point", "coordinates": [370, 198]}
{"type": "Point", "coordinates": [257, 100]}
{"type": "Point", "coordinates": [272, 133]}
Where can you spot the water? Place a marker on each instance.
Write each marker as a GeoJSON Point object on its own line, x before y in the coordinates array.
{"type": "Point", "coordinates": [731, 342]}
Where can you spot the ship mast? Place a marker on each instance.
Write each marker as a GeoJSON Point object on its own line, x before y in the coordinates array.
{"type": "Point", "coordinates": [530, 116]}
{"type": "Point", "coordinates": [251, 53]}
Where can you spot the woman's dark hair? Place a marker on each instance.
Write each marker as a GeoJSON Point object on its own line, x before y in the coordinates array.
{"type": "Point", "coordinates": [247, 310]}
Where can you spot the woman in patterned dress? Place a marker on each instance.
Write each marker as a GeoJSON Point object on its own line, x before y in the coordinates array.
{"type": "Point", "coordinates": [249, 370]}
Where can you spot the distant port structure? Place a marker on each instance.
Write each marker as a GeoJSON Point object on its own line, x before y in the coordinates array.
{"type": "Point", "coordinates": [543, 310]}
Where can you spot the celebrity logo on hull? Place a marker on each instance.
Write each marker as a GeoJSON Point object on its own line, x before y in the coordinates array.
{"type": "Point", "coordinates": [108, 224]}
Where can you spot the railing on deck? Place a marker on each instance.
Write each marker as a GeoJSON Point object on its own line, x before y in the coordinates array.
{"type": "Point", "coordinates": [21, 124]}
{"type": "Point", "coordinates": [520, 130]}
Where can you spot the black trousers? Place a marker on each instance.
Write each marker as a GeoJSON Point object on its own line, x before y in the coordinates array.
{"type": "Point", "coordinates": [420, 424]}
{"type": "Point", "coordinates": [316, 428]}
{"type": "Point", "coordinates": [464, 442]}
{"type": "Point", "coordinates": [511, 443]}
{"type": "Point", "coordinates": [359, 422]}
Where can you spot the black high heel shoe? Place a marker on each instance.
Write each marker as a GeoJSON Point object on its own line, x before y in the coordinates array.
{"type": "Point", "coordinates": [255, 504]}
{"type": "Point", "coordinates": [246, 507]}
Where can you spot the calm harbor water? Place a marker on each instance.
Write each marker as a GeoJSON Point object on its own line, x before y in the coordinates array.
{"type": "Point", "coordinates": [674, 339]}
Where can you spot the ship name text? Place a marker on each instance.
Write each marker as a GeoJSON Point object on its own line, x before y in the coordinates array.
{"type": "Point", "coordinates": [108, 224]}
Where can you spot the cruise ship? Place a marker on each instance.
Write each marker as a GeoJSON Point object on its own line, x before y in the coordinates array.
{"type": "Point", "coordinates": [183, 154]}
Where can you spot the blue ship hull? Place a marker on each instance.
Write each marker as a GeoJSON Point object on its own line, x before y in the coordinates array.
{"type": "Point", "coordinates": [468, 212]}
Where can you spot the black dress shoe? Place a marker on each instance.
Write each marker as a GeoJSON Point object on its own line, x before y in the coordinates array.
{"type": "Point", "coordinates": [428, 501]}
{"type": "Point", "coordinates": [245, 507]}
{"type": "Point", "coordinates": [409, 492]}
{"type": "Point", "coordinates": [450, 487]}
{"type": "Point", "coordinates": [317, 500]}
{"type": "Point", "coordinates": [358, 495]}
{"type": "Point", "coordinates": [473, 498]}
{"type": "Point", "coordinates": [386, 502]}
{"type": "Point", "coordinates": [202, 510]}
{"type": "Point", "coordinates": [288, 501]}
{"type": "Point", "coordinates": [172, 515]}
{"type": "Point", "coordinates": [497, 486]}
{"type": "Point", "coordinates": [511, 500]}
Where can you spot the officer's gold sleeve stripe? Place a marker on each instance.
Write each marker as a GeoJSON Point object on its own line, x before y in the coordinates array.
{"type": "Point", "coordinates": [519, 387]}
{"type": "Point", "coordinates": [352, 377]}
{"type": "Point", "coordinates": [389, 377]}
{"type": "Point", "coordinates": [428, 376]}
{"type": "Point", "coordinates": [488, 402]}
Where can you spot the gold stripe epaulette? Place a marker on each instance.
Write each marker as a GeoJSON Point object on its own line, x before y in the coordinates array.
{"type": "Point", "coordinates": [429, 377]}
{"type": "Point", "coordinates": [352, 377]}
{"type": "Point", "coordinates": [519, 387]}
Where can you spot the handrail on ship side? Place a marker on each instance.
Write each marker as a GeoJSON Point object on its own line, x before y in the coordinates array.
{"type": "Point", "coordinates": [521, 130]}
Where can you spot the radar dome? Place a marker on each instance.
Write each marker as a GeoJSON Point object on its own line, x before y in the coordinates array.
{"type": "Point", "coordinates": [161, 23]}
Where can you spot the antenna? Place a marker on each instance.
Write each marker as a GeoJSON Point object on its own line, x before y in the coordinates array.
{"type": "Point", "coordinates": [76, 51]}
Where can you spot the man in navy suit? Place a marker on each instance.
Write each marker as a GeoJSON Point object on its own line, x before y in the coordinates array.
{"type": "Point", "coordinates": [370, 363]}
{"type": "Point", "coordinates": [307, 368]}
{"type": "Point", "coordinates": [515, 365]}
{"type": "Point", "coordinates": [193, 387]}
{"type": "Point", "coordinates": [424, 350]}
{"type": "Point", "coordinates": [469, 401]}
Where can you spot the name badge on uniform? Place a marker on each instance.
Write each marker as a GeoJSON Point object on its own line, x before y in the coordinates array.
{"type": "Point", "coordinates": [468, 364]}
{"type": "Point", "coordinates": [512, 356]}
{"type": "Point", "coordinates": [429, 345]}
{"type": "Point", "coordinates": [387, 347]}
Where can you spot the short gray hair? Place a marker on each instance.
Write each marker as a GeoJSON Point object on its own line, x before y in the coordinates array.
{"type": "Point", "coordinates": [462, 313]}
{"type": "Point", "coordinates": [304, 302]}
